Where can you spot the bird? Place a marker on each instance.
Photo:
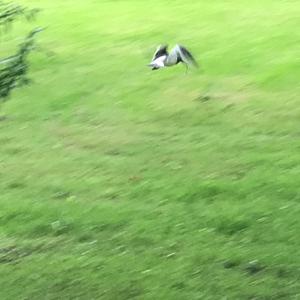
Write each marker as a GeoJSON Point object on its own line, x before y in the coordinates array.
{"type": "Point", "coordinates": [179, 54]}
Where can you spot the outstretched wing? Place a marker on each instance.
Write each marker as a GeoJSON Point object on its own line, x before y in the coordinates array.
{"type": "Point", "coordinates": [184, 55]}
{"type": "Point", "coordinates": [160, 51]}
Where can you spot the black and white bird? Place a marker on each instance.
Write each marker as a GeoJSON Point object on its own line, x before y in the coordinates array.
{"type": "Point", "coordinates": [179, 54]}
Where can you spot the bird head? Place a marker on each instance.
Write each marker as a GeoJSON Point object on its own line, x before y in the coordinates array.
{"type": "Point", "coordinates": [153, 65]}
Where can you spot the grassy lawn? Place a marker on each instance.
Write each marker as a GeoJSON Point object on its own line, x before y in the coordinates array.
{"type": "Point", "coordinates": [117, 182]}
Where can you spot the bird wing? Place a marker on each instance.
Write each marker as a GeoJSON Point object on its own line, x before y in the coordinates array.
{"type": "Point", "coordinates": [160, 51]}
{"type": "Point", "coordinates": [182, 54]}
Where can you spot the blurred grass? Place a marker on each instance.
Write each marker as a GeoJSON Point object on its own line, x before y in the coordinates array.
{"type": "Point", "coordinates": [122, 183]}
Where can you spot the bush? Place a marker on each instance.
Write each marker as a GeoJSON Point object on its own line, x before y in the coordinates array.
{"type": "Point", "coordinates": [13, 69]}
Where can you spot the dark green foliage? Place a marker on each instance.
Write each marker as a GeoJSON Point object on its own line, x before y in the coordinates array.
{"type": "Point", "coordinates": [13, 69]}
{"type": "Point", "coordinates": [10, 11]}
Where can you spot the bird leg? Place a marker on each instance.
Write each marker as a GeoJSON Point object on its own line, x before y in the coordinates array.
{"type": "Point", "coordinates": [186, 68]}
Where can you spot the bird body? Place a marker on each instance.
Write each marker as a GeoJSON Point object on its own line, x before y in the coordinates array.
{"type": "Point", "coordinates": [162, 58]}
{"type": "Point", "coordinates": [159, 62]}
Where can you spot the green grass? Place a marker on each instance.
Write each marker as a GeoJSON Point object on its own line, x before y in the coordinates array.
{"type": "Point", "coordinates": [118, 182]}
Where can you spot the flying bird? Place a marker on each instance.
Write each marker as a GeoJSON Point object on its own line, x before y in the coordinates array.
{"type": "Point", "coordinates": [179, 54]}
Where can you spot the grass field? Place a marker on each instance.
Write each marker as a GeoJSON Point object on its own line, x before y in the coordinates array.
{"type": "Point", "coordinates": [117, 182]}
